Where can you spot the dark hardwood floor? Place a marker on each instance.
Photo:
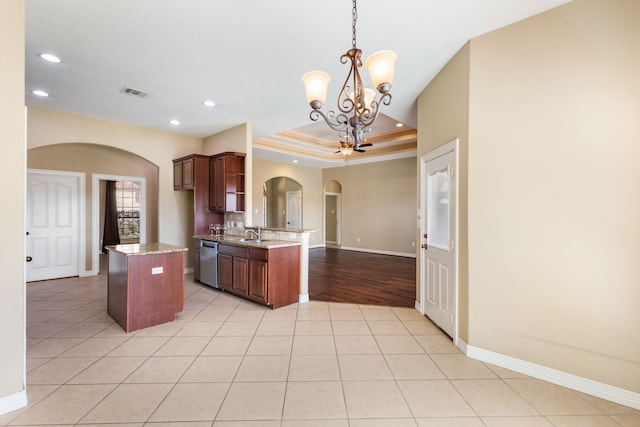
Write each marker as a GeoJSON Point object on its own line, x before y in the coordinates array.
{"type": "Point", "coordinates": [337, 275]}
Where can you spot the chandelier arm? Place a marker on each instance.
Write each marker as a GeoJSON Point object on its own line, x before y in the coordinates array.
{"type": "Point", "coordinates": [345, 103]}
{"type": "Point", "coordinates": [339, 122]}
{"type": "Point", "coordinates": [369, 116]}
{"type": "Point", "coordinates": [358, 91]}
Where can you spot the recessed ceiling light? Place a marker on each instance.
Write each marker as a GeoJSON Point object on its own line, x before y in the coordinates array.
{"type": "Point", "coordinates": [295, 161]}
{"type": "Point", "coordinates": [399, 125]}
{"type": "Point", "coordinates": [209, 103]}
{"type": "Point", "coordinates": [50, 58]}
{"type": "Point", "coordinates": [39, 92]}
{"type": "Point", "coordinates": [174, 122]}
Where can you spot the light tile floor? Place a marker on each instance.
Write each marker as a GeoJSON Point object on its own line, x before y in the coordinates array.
{"type": "Point", "coordinates": [228, 362]}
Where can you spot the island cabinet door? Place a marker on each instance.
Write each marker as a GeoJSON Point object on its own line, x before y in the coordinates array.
{"type": "Point", "coordinates": [225, 271]}
{"type": "Point", "coordinates": [258, 280]}
{"type": "Point", "coordinates": [240, 275]}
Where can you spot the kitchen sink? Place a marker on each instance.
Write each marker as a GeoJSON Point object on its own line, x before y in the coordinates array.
{"type": "Point", "coordinates": [252, 240]}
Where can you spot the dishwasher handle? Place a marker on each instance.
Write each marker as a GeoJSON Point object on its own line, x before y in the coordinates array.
{"type": "Point", "coordinates": [208, 244]}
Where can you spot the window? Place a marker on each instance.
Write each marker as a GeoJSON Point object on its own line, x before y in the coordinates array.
{"type": "Point", "coordinates": [438, 205]}
{"type": "Point", "coordinates": [128, 201]}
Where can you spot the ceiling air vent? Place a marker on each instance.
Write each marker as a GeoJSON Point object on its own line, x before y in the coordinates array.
{"type": "Point", "coordinates": [133, 92]}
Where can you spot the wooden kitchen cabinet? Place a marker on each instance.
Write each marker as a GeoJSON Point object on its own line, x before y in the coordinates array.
{"type": "Point", "coordinates": [232, 268]}
{"type": "Point", "coordinates": [216, 190]}
{"type": "Point", "coordinates": [227, 182]}
{"type": "Point", "coordinates": [192, 173]}
{"type": "Point", "coordinates": [196, 259]}
{"type": "Point", "coordinates": [240, 275]}
{"type": "Point", "coordinates": [183, 173]}
{"type": "Point", "coordinates": [225, 270]}
{"type": "Point", "coordinates": [266, 276]}
{"type": "Point", "coordinates": [258, 283]}
{"type": "Point", "coordinates": [145, 284]}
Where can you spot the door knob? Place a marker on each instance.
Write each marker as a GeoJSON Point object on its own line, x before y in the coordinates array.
{"type": "Point", "coordinates": [29, 259]}
{"type": "Point", "coordinates": [424, 246]}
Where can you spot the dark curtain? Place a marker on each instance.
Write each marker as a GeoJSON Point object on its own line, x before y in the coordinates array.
{"type": "Point", "coordinates": [110, 234]}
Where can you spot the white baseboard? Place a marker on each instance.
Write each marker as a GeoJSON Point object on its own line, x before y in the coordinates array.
{"type": "Point", "coordinates": [574, 382]}
{"type": "Point", "coordinates": [88, 273]}
{"type": "Point", "coordinates": [375, 251]}
{"type": "Point", "coordinates": [303, 298]}
{"type": "Point", "coordinates": [188, 270]}
{"type": "Point", "coordinates": [13, 402]}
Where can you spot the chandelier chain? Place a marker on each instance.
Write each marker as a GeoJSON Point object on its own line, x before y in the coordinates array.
{"type": "Point", "coordinates": [354, 14]}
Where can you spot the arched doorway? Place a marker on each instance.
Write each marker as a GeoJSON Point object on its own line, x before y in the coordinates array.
{"type": "Point", "coordinates": [91, 159]}
{"type": "Point", "coordinates": [282, 203]}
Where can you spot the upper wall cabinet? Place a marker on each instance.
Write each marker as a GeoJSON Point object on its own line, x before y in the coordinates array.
{"type": "Point", "coordinates": [192, 173]}
{"type": "Point", "coordinates": [226, 182]}
{"type": "Point", "coordinates": [183, 173]}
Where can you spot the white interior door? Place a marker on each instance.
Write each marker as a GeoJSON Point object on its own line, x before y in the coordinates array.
{"type": "Point", "coordinates": [439, 228]}
{"type": "Point", "coordinates": [52, 225]}
{"type": "Point", "coordinates": [294, 209]}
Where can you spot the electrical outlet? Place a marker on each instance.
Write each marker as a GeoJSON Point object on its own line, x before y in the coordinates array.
{"type": "Point", "coordinates": [358, 239]}
{"type": "Point", "coordinates": [413, 244]}
{"type": "Point", "coordinates": [156, 270]}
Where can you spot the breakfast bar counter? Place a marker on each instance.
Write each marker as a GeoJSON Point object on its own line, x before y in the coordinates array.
{"type": "Point", "coordinates": [145, 284]}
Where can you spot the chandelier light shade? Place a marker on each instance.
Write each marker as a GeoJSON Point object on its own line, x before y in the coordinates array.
{"type": "Point", "coordinates": [316, 83]}
{"type": "Point", "coordinates": [358, 106]}
{"type": "Point", "coordinates": [380, 66]}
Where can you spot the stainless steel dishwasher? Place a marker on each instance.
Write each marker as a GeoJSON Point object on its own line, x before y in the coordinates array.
{"type": "Point", "coordinates": [209, 263]}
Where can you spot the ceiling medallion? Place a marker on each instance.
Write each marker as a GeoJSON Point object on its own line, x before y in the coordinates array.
{"type": "Point", "coordinates": [357, 105]}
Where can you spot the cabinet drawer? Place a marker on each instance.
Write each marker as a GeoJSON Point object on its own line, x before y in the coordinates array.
{"type": "Point", "coordinates": [258, 254]}
{"type": "Point", "coordinates": [233, 250]}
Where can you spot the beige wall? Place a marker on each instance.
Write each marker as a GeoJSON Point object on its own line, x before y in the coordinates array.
{"type": "Point", "coordinates": [553, 198]}
{"type": "Point", "coordinates": [99, 159]}
{"type": "Point", "coordinates": [311, 181]}
{"type": "Point", "coordinates": [12, 253]}
{"type": "Point", "coordinates": [233, 139]}
{"type": "Point", "coordinates": [378, 205]}
{"type": "Point", "coordinates": [553, 206]}
{"type": "Point", "coordinates": [175, 208]}
{"type": "Point", "coordinates": [442, 117]}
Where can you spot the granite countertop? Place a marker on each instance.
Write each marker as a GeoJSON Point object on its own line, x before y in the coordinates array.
{"type": "Point", "coordinates": [286, 230]}
{"type": "Point", "coordinates": [236, 240]}
{"type": "Point", "coordinates": [145, 248]}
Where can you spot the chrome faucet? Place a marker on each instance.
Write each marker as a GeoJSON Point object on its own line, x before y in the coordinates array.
{"type": "Point", "coordinates": [258, 233]}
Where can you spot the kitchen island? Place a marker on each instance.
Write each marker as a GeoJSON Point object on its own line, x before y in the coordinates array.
{"type": "Point", "coordinates": [145, 284]}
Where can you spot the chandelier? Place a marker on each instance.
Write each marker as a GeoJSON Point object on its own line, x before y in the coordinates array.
{"type": "Point", "coordinates": [357, 105]}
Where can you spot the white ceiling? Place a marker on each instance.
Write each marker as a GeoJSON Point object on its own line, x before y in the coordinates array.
{"type": "Point", "coordinates": [246, 55]}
